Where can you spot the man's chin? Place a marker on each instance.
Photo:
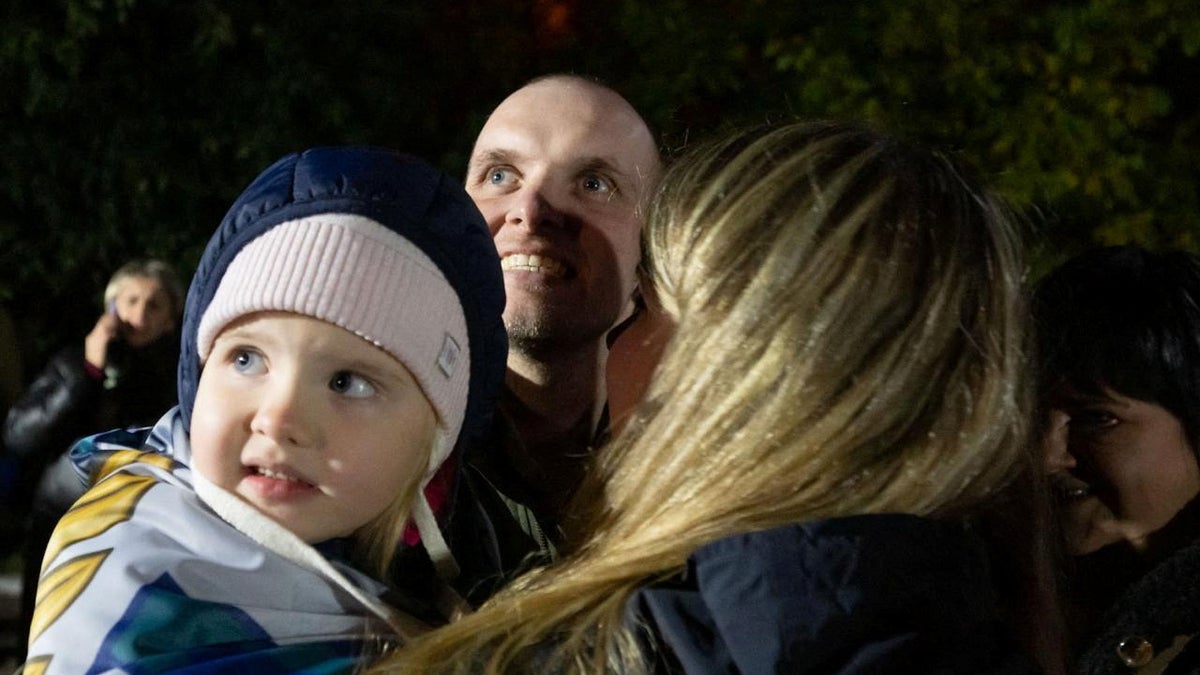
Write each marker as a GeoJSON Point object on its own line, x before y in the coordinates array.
{"type": "Point", "coordinates": [555, 329]}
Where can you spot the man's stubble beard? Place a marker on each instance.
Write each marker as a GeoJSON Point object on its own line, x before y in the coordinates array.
{"type": "Point", "coordinates": [548, 334]}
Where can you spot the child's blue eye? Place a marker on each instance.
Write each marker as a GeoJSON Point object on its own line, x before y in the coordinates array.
{"type": "Point", "coordinates": [352, 385]}
{"type": "Point", "coordinates": [247, 362]}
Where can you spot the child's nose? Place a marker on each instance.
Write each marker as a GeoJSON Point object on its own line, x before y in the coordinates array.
{"type": "Point", "coordinates": [284, 417]}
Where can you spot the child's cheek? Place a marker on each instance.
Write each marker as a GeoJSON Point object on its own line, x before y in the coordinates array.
{"type": "Point", "coordinates": [209, 457]}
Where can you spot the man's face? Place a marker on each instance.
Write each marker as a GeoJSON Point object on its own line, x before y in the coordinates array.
{"type": "Point", "coordinates": [1123, 468]}
{"type": "Point", "coordinates": [560, 172]}
{"type": "Point", "coordinates": [310, 424]}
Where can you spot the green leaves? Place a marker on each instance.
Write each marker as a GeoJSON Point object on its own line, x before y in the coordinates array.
{"type": "Point", "coordinates": [128, 126]}
{"type": "Point", "coordinates": [1082, 112]}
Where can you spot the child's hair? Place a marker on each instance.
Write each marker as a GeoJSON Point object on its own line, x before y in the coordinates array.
{"type": "Point", "coordinates": [1126, 319]}
{"type": "Point", "coordinates": [388, 248]}
{"type": "Point", "coordinates": [850, 338]}
{"type": "Point", "coordinates": [157, 270]}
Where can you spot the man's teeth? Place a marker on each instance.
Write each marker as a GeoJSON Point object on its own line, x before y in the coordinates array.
{"type": "Point", "coordinates": [276, 475]}
{"type": "Point", "coordinates": [534, 263]}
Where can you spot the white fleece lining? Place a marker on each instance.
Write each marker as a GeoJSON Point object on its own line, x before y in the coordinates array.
{"type": "Point", "coordinates": [254, 524]}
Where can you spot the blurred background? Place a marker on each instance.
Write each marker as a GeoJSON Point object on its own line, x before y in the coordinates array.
{"type": "Point", "coordinates": [128, 126]}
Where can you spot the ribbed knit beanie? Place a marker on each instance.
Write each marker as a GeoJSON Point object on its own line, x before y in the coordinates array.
{"type": "Point", "coordinates": [382, 245]}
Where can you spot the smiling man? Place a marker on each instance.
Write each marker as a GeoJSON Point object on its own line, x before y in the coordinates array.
{"type": "Point", "coordinates": [561, 172]}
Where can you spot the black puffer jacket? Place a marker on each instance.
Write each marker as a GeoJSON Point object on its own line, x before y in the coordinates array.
{"type": "Point", "coordinates": [64, 402]}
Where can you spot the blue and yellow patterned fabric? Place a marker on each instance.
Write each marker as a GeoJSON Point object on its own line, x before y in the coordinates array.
{"type": "Point", "coordinates": [142, 576]}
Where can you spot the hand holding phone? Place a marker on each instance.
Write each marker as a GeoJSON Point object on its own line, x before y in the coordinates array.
{"type": "Point", "coordinates": [107, 329]}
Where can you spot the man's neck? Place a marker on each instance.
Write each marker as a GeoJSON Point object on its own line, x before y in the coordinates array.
{"type": "Point", "coordinates": [555, 405]}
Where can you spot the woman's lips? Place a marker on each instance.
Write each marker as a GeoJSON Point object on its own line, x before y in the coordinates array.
{"type": "Point", "coordinates": [1069, 488]}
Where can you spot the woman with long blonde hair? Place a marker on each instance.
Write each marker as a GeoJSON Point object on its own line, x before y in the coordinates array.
{"type": "Point", "coordinates": [841, 394]}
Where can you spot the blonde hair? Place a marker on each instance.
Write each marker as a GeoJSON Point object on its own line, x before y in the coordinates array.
{"type": "Point", "coordinates": [158, 270]}
{"type": "Point", "coordinates": [850, 339]}
{"type": "Point", "coordinates": [373, 546]}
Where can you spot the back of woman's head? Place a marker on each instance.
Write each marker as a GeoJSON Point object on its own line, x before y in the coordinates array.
{"type": "Point", "coordinates": [849, 337]}
{"type": "Point", "coordinates": [1126, 319]}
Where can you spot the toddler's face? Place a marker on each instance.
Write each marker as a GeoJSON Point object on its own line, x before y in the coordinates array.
{"type": "Point", "coordinates": [309, 423]}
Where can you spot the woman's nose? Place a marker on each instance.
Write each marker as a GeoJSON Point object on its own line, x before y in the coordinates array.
{"type": "Point", "coordinates": [135, 315]}
{"type": "Point", "coordinates": [1056, 452]}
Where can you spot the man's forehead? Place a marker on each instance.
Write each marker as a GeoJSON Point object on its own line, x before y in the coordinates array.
{"type": "Point", "coordinates": [569, 124]}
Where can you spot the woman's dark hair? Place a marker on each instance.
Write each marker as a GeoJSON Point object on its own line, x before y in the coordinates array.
{"type": "Point", "coordinates": [1125, 319]}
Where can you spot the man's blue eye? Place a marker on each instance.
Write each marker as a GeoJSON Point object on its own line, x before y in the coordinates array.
{"type": "Point", "coordinates": [595, 184]}
{"type": "Point", "coordinates": [499, 176]}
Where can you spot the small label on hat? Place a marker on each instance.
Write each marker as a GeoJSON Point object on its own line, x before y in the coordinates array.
{"type": "Point", "coordinates": [449, 356]}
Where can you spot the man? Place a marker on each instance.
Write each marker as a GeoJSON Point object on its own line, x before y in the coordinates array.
{"type": "Point", "coordinates": [561, 171]}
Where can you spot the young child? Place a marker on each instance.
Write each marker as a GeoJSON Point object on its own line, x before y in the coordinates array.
{"type": "Point", "coordinates": [341, 336]}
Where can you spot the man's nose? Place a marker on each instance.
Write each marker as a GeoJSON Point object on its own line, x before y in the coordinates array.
{"type": "Point", "coordinates": [282, 414]}
{"type": "Point", "coordinates": [533, 209]}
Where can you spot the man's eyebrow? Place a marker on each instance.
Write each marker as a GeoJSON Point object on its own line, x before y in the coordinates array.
{"type": "Point", "coordinates": [600, 165]}
{"type": "Point", "coordinates": [490, 157]}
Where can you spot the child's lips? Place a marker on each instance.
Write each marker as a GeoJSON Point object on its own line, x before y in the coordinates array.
{"type": "Point", "coordinates": [276, 483]}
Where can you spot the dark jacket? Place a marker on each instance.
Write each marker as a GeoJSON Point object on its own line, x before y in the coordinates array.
{"type": "Point", "coordinates": [65, 403]}
{"type": "Point", "coordinates": [492, 524]}
{"type": "Point", "coordinates": [857, 595]}
{"type": "Point", "coordinates": [1150, 621]}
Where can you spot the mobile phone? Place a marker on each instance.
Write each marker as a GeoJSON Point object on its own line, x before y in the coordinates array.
{"type": "Point", "coordinates": [111, 308]}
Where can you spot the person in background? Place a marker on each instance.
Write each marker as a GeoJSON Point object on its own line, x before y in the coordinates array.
{"type": "Point", "coordinates": [1119, 343]}
{"type": "Point", "coordinates": [122, 374]}
{"type": "Point", "coordinates": [841, 406]}
{"type": "Point", "coordinates": [342, 336]}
